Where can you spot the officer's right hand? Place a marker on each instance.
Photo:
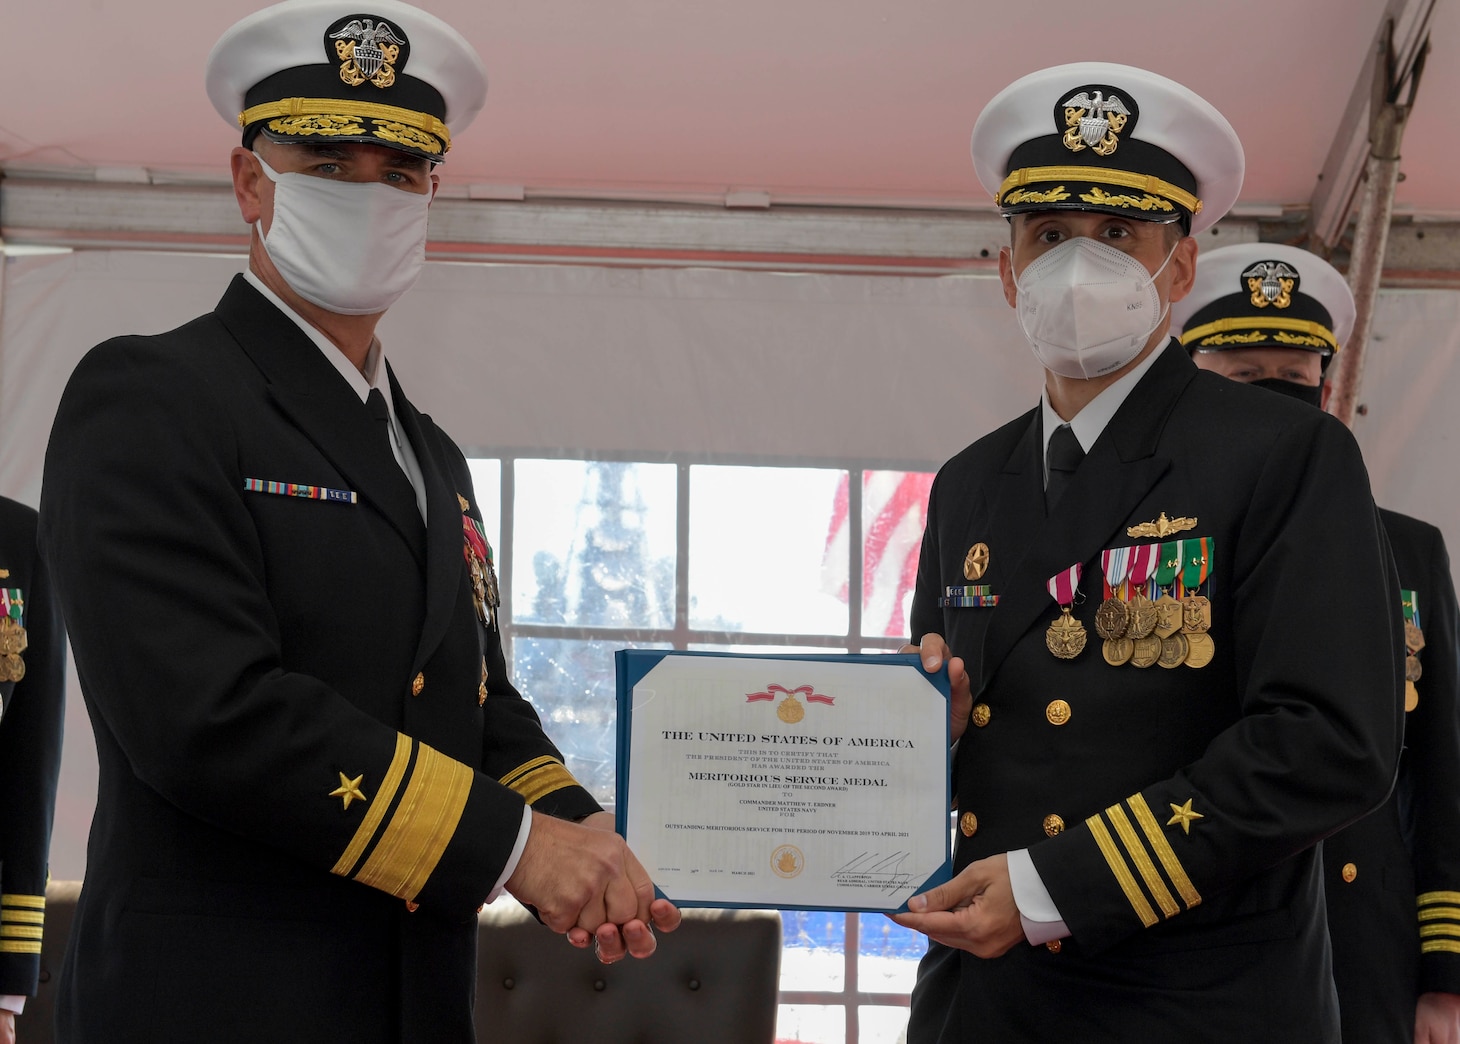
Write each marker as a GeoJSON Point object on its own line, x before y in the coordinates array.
{"type": "Point", "coordinates": [934, 651]}
{"type": "Point", "coordinates": [7, 1027]}
{"type": "Point", "coordinates": [578, 876]}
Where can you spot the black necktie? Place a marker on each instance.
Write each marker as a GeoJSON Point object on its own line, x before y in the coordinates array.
{"type": "Point", "coordinates": [380, 413]}
{"type": "Point", "coordinates": [1063, 457]}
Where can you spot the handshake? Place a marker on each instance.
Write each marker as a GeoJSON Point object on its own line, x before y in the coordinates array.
{"type": "Point", "coordinates": [585, 883]}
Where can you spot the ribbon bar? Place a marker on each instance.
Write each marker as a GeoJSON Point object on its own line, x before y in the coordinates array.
{"type": "Point", "coordinates": [298, 489]}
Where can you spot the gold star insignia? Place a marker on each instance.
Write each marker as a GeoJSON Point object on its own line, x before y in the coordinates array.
{"type": "Point", "coordinates": [465, 504]}
{"type": "Point", "coordinates": [1183, 815]}
{"type": "Point", "coordinates": [349, 789]}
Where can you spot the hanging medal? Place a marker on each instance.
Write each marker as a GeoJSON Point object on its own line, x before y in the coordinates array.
{"type": "Point", "coordinates": [1143, 615]}
{"type": "Point", "coordinates": [1196, 611]}
{"type": "Point", "coordinates": [13, 639]}
{"type": "Point", "coordinates": [1414, 641]}
{"type": "Point", "coordinates": [1113, 616]}
{"type": "Point", "coordinates": [478, 554]}
{"type": "Point", "coordinates": [1168, 609]}
{"type": "Point", "coordinates": [1066, 635]}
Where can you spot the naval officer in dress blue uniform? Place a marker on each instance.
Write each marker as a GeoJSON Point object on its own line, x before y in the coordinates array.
{"type": "Point", "coordinates": [1166, 602]}
{"type": "Point", "coordinates": [313, 766]}
{"type": "Point", "coordinates": [32, 709]}
{"type": "Point", "coordinates": [1275, 316]}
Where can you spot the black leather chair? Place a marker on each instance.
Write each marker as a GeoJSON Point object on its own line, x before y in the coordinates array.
{"type": "Point", "coordinates": [714, 981]}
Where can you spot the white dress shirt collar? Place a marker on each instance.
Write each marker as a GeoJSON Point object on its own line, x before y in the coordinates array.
{"type": "Point", "coordinates": [1092, 420]}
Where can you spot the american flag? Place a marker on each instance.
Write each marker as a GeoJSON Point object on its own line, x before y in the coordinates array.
{"type": "Point", "coordinates": [894, 511]}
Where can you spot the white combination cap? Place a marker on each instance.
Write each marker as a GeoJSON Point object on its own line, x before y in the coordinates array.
{"type": "Point", "coordinates": [1265, 295]}
{"type": "Point", "coordinates": [377, 71]}
{"type": "Point", "coordinates": [1110, 138]}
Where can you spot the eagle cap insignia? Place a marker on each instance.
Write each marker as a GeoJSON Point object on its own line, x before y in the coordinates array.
{"type": "Point", "coordinates": [1270, 283]}
{"type": "Point", "coordinates": [369, 49]}
{"type": "Point", "coordinates": [1093, 117]}
{"type": "Point", "coordinates": [1162, 527]}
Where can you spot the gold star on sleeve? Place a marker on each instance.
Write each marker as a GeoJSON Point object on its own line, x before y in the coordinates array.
{"type": "Point", "coordinates": [349, 790]}
{"type": "Point", "coordinates": [1183, 814]}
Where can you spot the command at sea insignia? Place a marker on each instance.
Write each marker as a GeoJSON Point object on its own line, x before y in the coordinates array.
{"type": "Point", "coordinates": [1393, 878]}
{"type": "Point", "coordinates": [1139, 793]}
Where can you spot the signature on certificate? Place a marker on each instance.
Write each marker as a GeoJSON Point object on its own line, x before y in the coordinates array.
{"type": "Point", "coordinates": [875, 870]}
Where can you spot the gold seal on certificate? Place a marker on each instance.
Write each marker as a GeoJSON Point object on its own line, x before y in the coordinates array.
{"type": "Point", "coordinates": [812, 782]}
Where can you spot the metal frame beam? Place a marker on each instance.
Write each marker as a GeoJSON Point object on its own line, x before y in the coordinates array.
{"type": "Point", "coordinates": [1405, 24]}
{"type": "Point", "coordinates": [97, 214]}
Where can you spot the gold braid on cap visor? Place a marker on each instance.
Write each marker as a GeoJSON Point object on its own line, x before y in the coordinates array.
{"type": "Point", "coordinates": [1100, 176]}
{"type": "Point", "coordinates": [1309, 332]}
{"type": "Point", "coordinates": [406, 121]}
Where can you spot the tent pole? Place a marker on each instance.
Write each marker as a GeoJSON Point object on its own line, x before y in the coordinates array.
{"type": "Point", "coordinates": [1387, 119]}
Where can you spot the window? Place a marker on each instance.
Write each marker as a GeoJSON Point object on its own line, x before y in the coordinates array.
{"type": "Point", "coordinates": [599, 555]}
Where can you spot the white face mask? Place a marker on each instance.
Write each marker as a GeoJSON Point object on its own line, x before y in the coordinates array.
{"type": "Point", "coordinates": [351, 248]}
{"type": "Point", "coordinates": [1088, 308]}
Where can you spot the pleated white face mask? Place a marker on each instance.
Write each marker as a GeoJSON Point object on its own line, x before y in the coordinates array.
{"type": "Point", "coordinates": [352, 248]}
{"type": "Point", "coordinates": [1088, 308]}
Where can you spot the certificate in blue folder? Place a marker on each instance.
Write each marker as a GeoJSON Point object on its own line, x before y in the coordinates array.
{"type": "Point", "coordinates": [815, 782]}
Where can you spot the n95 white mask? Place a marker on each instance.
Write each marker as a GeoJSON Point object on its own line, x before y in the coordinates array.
{"type": "Point", "coordinates": [352, 248]}
{"type": "Point", "coordinates": [1088, 308]}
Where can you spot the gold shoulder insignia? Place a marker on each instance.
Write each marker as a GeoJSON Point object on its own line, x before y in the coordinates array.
{"type": "Point", "coordinates": [1162, 527]}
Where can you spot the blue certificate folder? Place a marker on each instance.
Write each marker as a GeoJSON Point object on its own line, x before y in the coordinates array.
{"type": "Point", "coordinates": [632, 665]}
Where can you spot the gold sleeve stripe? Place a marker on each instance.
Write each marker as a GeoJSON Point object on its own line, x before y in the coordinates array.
{"type": "Point", "coordinates": [1440, 913]}
{"type": "Point", "coordinates": [1121, 871]}
{"type": "Point", "coordinates": [544, 782]}
{"type": "Point", "coordinates": [1439, 946]}
{"type": "Point", "coordinates": [421, 828]}
{"type": "Point", "coordinates": [1138, 855]}
{"type": "Point", "coordinates": [39, 916]}
{"type": "Point", "coordinates": [376, 810]}
{"type": "Point", "coordinates": [1425, 930]}
{"type": "Point", "coordinates": [1174, 870]}
{"type": "Point", "coordinates": [20, 931]}
{"type": "Point", "coordinates": [1423, 899]}
{"type": "Point", "coordinates": [521, 770]}
{"type": "Point", "coordinates": [15, 946]}
{"type": "Point", "coordinates": [539, 778]}
{"type": "Point", "coordinates": [33, 902]}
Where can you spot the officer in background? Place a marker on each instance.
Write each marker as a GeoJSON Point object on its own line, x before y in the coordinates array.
{"type": "Point", "coordinates": [1274, 316]}
{"type": "Point", "coordinates": [1160, 707]}
{"type": "Point", "coordinates": [32, 705]}
{"type": "Point", "coordinates": [313, 767]}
